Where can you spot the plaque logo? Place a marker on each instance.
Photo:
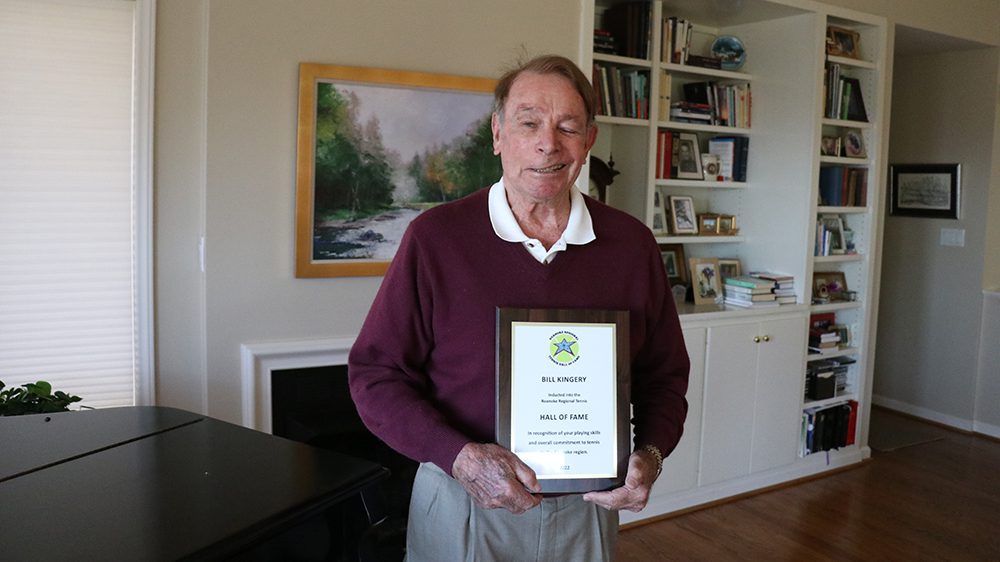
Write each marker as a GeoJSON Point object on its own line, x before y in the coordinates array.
{"type": "Point", "coordinates": [564, 348]}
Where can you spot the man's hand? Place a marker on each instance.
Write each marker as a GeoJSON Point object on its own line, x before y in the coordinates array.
{"type": "Point", "coordinates": [638, 483]}
{"type": "Point", "coordinates": [494, 477]}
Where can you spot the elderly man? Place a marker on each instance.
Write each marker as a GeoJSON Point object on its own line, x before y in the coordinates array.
{"type": "Point", "coordinates": [422, 371]}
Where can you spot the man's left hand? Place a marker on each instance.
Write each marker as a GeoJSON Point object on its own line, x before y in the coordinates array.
{"type": "Point", "coordinates": [638, 483]}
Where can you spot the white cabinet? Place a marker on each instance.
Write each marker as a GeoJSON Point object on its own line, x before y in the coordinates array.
{"type": "Point", "coordinates": [752, 396]}
{"type": "Point", "coordinates": [680, 468]}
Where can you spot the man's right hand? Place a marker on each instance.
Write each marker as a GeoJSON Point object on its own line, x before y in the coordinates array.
{"type": "Point", "coordinates": [494, 477]}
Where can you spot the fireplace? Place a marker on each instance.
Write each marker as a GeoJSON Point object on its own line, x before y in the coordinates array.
{"type": "Point", "coordinates": [298, 390]}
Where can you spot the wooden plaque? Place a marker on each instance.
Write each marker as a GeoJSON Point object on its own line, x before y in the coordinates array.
{"type": "Point", "coordinates": [563, 381]}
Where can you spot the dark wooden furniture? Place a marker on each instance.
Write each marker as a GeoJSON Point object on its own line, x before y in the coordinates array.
{"type": "Point", "coordinates": [154, 483]}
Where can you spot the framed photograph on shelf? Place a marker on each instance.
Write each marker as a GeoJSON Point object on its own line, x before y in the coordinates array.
{"type": "Point", "coordinates": [843, 42]}
{"type": "Point", "coordinates": [925, 190]}
{"type": "Point", "coordinates": [829, 146]}
{"type": "Point", "coordinates": [659, 214]}
{"type": "Point", "coordinates": [688, 157]}
{"type": "Point", "coordinates": [708, 223]}
{"type": "Point", "coordinates": [728, 268]}
{"type": "Point", "coordinates": [854, 144]}
{"type": "Point", "coordinates": [356, 122]}
{"type": "Point", "coordinates": [727, 225]}
{"type": "Point", "coordinates": [710, 165]}
{"type": "Point", "coordinates": [675, 263]}
{"type": "Point", "coordinates": [705, 280]}
{"type": "Point", "coordinates": [829, 286]}
{"type": "Point", "coordinates": [683, 219]}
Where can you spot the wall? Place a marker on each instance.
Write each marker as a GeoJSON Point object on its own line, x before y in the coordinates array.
{"type": "Point", "coordinates": [226, 88]}
{"type": "Point", "coordinates": [927, 358]}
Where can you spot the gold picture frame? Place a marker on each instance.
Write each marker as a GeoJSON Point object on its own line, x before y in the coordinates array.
{"type": "Point", "coordinates": [705, 280]}
{"type": "Point", "coordinates": [359, 130]}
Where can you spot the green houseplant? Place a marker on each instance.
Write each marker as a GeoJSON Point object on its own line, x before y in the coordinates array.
{"type": "Point", "coordinates": [33, 398]}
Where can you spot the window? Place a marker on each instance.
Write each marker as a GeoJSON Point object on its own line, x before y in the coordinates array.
{"type": "Point", "coordinates": [74, 197]}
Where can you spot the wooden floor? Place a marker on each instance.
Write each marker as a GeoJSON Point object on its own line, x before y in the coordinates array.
{"type": "Point", "coordinates": [935, 500]}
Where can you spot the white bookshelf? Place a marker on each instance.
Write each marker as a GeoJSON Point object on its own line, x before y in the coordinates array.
{"type": "Point", "coordinates": [776, 208]}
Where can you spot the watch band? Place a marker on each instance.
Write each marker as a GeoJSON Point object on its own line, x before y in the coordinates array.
{"type": "Point", "coordinates": [655, 451]}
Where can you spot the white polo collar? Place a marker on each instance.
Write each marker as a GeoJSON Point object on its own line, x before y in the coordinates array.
{"type": "Point", "coordinates": [579, 228]}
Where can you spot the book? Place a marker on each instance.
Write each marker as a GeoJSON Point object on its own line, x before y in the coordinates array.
{"type": "Point", "coordinates": [751, 304]}
{"type": "Point", "coordinates": [749, 281]}
{"type": "Point", "coordinates": [748, 290]}
{"type": "Point", "coordinates": [725, 148]}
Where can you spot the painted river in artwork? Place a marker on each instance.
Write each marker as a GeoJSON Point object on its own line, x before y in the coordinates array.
{"type": "Point", "coordinates": [375, 237]}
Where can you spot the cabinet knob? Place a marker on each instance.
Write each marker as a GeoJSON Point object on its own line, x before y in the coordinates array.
{"type": "Point", "coordinates": [756, 339]}
{"type": "Point", "coordinates": [767, 338]}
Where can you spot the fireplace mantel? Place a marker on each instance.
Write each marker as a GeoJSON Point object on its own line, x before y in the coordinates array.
{"type": "Point", "coordinates": [258, 360]}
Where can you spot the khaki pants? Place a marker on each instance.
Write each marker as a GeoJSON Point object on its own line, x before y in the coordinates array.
{"type": "Point", "coordinates": [445, 526]}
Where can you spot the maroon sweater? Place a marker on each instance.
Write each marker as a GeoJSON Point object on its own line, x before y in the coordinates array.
{"type": "Point", "coordinates": [422, 371]}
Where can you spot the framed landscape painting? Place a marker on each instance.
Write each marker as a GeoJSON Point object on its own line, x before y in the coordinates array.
{"type": "Point", "coordinates": [377, 147]}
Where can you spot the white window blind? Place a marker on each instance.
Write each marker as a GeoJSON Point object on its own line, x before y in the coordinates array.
{"type": "Point", "coordinates": [67, 243]}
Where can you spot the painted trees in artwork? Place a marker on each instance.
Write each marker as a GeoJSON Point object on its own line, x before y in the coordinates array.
{"type": "Point", "coordinates": [356, 175]}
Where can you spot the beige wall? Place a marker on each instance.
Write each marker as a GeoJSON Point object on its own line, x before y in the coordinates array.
{"type": "Point", "coordinates": [225, 157]}
{"type": "Point", "coordinates": [931, 298]}
{"type": "Point", "coordinates": [225, 138]}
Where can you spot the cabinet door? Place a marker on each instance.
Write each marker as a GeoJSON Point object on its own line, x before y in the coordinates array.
{"type": "Point", "coordinates": [728, 411]}
{"type": "Point", "coordinates": [680, 469]}
{"type": "Point", "coordinates": [778, 395]}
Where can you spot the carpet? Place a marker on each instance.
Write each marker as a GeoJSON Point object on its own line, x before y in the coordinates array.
{"type": "Point", "coordinates": [890, 431]}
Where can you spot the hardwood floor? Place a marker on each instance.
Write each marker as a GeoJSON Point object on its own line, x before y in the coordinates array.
{"type": "Point", "coordinates": [937, 500]}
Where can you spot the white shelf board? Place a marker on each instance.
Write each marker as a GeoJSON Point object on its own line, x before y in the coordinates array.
{"type": "Point", "coordinates": [610, 120]}
{"type": "Point", "coordinates": [717, 129]}
{"type": "Point", "coordinates": [672, 182]}
{"type": "Point", "coordinates": [829, 401]}
{"type": "Point", "coordinates": [695, 239]}
{"type": "Point", "coordinates": [843, 352]}
{"type": "Point", "coordinates": [700, 71]}
{"type": "Point", "coordinates": [628, 61]}
{"type": "Point", "coordinates": [847, 123]}
{"type": "Point", "coordinates": [854, 63]}
{"type": "Point", "coordinates": [835, 306]}
{"type": "Point", "coordinates": [840, 210]}
{"type": "Point", "coordinates": [840, 258]}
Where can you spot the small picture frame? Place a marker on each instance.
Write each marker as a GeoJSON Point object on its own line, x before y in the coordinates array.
{"type": "Point", "coordinates": [659, 214]}
{"type": "Point", "coordinates": [708, 223]}
{"type": "Point", "coordinates": [925, 190]}
{"type": "Point", "coordinates": [829, 286]}
{"type": "Point", "coordinates": [683, 219]}
{"type": "Point", "coordinates": [854, 144]}
{"type": "Point", "coordinates": [843, 42]}
{"type": "Point", "coordinates": [705, 280]}
{"type": "Point", "coordinates": [729, 268]}
{"type": "Point", "coordinates": [688, 157]}
{"type": "Point", "coordinates": [829, 146]}
{"type": "Point", "coordinates": [727, 225]}
{"type": "Point", "coordinates": [711, 167]}
{"type": "Point", "coordinates": [675, 263]}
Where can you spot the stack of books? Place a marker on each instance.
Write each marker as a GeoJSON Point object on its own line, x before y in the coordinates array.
{"type": "Point", "coordinates": [784, 285]}
{"type": "Point", "coordinates": [749, 292]}
{"type": "Point", "coordinates": [604, 42]}
{"type": "Point", "coordinates": [690, 112]}
{"type": "Point", "coordinates": [825, 334]}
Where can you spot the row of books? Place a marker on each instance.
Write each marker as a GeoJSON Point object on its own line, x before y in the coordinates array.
{"type": "Point", "coordinates": [676, 44]}
{"type": "Point", "coordinates": [843, 98]}
{"type": "Point", "coordinates": [728, 105]}
{"type": "Point", "coordinates": [827, 378]}
{"type": "Point", "coordinates": [759, 290]}
{"type": "Point", "coordinates": [843, 186]}
{"type": "Point", "coordinates": [604, 42]}
{"type": "Point", "coordinates": [733, 152]}
{"type": "Point", "coordinates": [833, 237]}
{"type": "Point", "coordinates": [629, 24]}
{"type": "Point", "coordinates": [621, 92]}
{"type": "Point", "coordinates": [828, 428]}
